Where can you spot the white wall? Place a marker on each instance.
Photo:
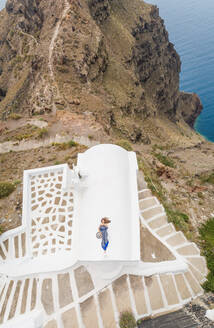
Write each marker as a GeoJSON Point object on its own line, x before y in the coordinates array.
{"type": "Point", "coordinates": [109, 193]}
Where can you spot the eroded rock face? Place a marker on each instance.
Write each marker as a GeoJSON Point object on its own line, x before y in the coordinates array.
{"type": "Point", "coordinates": [189, 107]}
{"type": "Point", "coordinates": [110, 58]}
{"type": "Point", "coordinates": [100, 9]}
{"type": "Point", "coordinates": [156, 62]}
{"type": "Point", "coordinates": [29, 15]}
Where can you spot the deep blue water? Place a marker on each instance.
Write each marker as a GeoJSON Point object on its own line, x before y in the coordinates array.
{"type": "Point", "coordinates": [190, 24]}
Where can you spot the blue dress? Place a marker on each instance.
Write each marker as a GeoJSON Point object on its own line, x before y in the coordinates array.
{"type": "Point", "coordinates": [105, 241]}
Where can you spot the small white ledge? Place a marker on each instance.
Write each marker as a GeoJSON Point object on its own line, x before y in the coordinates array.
{"type": "Point", "coordinates": [210, 315]}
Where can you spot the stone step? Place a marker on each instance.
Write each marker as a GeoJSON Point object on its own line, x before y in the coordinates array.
{"type": "Point", "coordinates": [47, 296]}
{"type": "Point", "coordinates": [169, 289]}
{"type": "Point", "coordinates": [5, 298]}
{"type": "Point", "coordinates": [154, 292]}
{"type": "Point", "coordinates": [199, 263]}
{"type": "Point", "coordinates": [177, 239]}
{"type": "Point", "coordinates": [138, 290]}
{"type": "Point", "coordinates": [145, 193]}
{"type": "Point", "coordinates": [23, 244]}
{"type": "Point", "coordinates": [198, 275]}
{"type": "Point", "coordinates": [84, 283]}
{"type": "Point", "coordinates": [69, 319]}
{"type": "Point", "coordinates": [3, 252]}
{"type": "Point", "coordinates": [194, 285]}
{"type": "Point", "coordinates": [14, 247]}
{"type": "Point", "coordinates": [89, 313]}
{"type": "Point", "coordinates": [22, 296]}
{"type": "Point", "coordinates": [182, 287]}
{"type": "Point", "coordinates": [147, 202]}
{"type": "Point", "coordinates": [144, 296]}
{"type": "Point", "coordinates": [64, 290]}
{"type": "Point", "coordinates": [166, 230]}
{"type": "Point", "coordinates": [121, 294]}
{"type": "Point", "coordinates": [14, 304]}
{"type": "Point", "coordinates": [17, 298]}
{"type": "Point", "coordinates": [158, 222]}
{"type": "Point", "coordinates": [149, 213]}
{"type": "Point", "coordinates": [190, 249]}
{"type": "Point", "coordinates": [106, 309]}
{"type": "Point", "coordinates": [19, 245]}
{"type": "Point", "coordinates": [141, 181]}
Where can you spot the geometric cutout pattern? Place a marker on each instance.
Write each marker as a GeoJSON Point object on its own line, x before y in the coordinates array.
{"type": "Point", "coordinates": [51, 213]}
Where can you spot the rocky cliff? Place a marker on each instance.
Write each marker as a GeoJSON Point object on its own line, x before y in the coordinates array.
{"type": "Point", "coordinates": [111, 58]}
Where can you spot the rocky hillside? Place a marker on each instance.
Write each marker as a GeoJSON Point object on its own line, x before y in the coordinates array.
{"type": "Point", "coordinates": [110, 59]}
{"type": "Point", "coordinates": [96, 71]}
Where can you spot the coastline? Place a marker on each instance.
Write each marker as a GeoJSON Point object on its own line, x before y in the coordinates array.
{"type": "Point", "coordinates": [197, 129]}
{"type": "Point", "coordinates": [193, 39]}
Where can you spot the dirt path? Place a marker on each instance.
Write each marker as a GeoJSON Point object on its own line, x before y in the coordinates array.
{"type": "Point", "coordinates": [51, 49]}
{"type": "Point", "coordinates": [23, 145]}
{"type": "Point", "coordinates": [28, 35]}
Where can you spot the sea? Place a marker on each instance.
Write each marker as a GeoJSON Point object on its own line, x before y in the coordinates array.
{"type": "Point", "coordinates": [190, 24]}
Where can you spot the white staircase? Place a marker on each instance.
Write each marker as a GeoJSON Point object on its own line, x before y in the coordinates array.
{"type": "Point", "coordinates": [73, 297]}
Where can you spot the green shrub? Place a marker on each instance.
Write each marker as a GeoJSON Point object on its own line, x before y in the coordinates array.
{"type": "Point", "coordinates": [6, 188]}
{"type": "Point", "coordinates": [125, 144]}
{"type": "Point", "coordinates": [17, 182]}
{"type": "Point", "coordinates": [127, 320]}
{"type": "Point", "coordinates": [207, 178]}
{"type": "Point", "coordinates": [15, 116]}
{"type": "Point", "coordinates": [65, 145]}
{"type": "Point", "coordinates": [152, 180]}
{"type": "Point", "coordinates": [160, 147]}
{"type": "Point", "coordinates": [207, 242]}
{"type": "Point", "coordinates": [72, 143]}
{"type": "Point", "coordinates": [208, 285]}
{"type": "Point", "coordinates": [165, 160]}
{"type": "Point", "coordinates": [179, 219]}
{"type": "Point", "coordinates": [43, 132]}
{"type": "Point", "coordinates": [200, 195]}
{"type": "Point", "coordinates": [139, 322]}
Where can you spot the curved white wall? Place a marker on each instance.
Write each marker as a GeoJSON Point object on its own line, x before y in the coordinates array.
{"type": "Point", "coordinates": [111, 192]}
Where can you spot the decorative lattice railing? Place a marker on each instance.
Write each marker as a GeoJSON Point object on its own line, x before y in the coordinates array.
{"type": "Point", "coordinates": [47, 220]}
{"type": "Point", "coordinates": [51, 213]}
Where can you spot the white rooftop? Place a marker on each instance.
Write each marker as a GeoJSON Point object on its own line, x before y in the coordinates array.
{"type": "Point", "coordinates": [111, 192]}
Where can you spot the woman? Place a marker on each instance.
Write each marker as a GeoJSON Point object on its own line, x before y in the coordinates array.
{"type": "Point", "coordinates": [103, 229]}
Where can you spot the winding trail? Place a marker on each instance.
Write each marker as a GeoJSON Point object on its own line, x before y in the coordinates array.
{"type": "Point", "coordinates": [51, 49]}
{"type": "Point", "coordinates": [24, 145]}
{"type": "Point", "coordinates": [28, 35]}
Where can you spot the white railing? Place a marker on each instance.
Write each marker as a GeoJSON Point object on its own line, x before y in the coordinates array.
{"type": "Point", "coordinates": [18, 242]}
{"type": "Point", "coordinates": [13, 244]}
